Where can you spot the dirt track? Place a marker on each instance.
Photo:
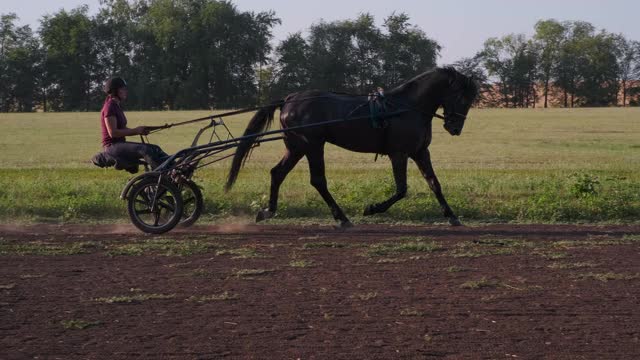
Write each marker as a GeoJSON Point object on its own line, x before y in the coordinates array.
{"type": "Point", "coordinates": [280, 292]}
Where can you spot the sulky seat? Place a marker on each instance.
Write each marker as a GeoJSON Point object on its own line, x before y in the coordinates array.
{"type": "Point", "coordinates": [104, 160]}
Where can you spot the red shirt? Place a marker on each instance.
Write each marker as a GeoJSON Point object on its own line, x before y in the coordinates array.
{"type": "Point", "coordinates": [112, 108]}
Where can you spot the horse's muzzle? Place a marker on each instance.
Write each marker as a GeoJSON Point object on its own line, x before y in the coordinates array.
{"type": "Point", "coordinates": [453, 130]}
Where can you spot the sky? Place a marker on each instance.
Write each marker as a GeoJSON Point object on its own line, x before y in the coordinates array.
{"type": "Point", "coordinates": [459, 26]}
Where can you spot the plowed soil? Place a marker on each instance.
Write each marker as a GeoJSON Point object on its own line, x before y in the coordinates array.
{"type": "Point", "coordinates": [289, 292]}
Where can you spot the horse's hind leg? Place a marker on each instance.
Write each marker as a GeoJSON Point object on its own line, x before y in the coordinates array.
{"type": "Point", "coordinates": [399, 164]}
{"type": "Point", "coordinates": [278, 174]}
{"type": "Point", "coordinates": [319, 181]}
{"type": "Point", "coordinates": [423, 160]}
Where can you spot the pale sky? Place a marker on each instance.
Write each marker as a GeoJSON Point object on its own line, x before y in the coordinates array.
{"type": "Point", "coordinates": [460, 26]}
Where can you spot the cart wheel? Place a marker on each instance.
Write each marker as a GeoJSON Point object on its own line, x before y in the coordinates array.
{"type": "Point", "coordinates": [154, 208]}
{"type": "Point", "coordinates": [192, 204]}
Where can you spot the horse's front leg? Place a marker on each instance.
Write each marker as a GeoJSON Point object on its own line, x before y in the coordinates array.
{"type": "Point", "coordinates": [423, 160]}
{"type": "Point", "coordinates": [399, 165]}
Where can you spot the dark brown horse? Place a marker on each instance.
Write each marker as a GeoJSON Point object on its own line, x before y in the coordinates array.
{"type": "Point", "coordinates": [407, 135]}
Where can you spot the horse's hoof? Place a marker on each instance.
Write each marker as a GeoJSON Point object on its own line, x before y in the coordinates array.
{"type": "Point", "coordinates": [369, 210]}
{"type": "Point", "coordinates": [344, 225]}
{"type": "Point", "coordinates": [264, 215]}
{"type": "Point", "coordinates": [454, 222]}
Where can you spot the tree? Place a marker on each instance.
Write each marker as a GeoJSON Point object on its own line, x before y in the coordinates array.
{"type": "Point", "coordinates": [71, 60]}
{"type": "Point", "coordinates": [548, 35]}
{"type": "Point", "coordinates": [512, 60]}
{"type": "Point", "coordinates": [20, 59]}
{"type": "Point", "coordinates": [114, 38]}
{"type": "Point", "coordinates": [7, 37]}
{"type": "Point", "coordinates": [571, 57]}
{"type": "Point", "coordinates": [628, 57]}
{"type": "Point", "coordinates": [331, 54]}
{"type": "Point", "coordinates": [7, 31]}
{"type": "Point", "coordinates": [292, 71]}
{"type": "Point", "coordinates": [23, 62]}
{"type": "Point", "coordinates": [202, 53]}
{"type": "Point", "coordinates": [354, 55]}
{"type": "Point", "coordinates": [367, 43]}
{"type": "Point", "coordinates": [598, 71]}
{"type": "Point", "coordinates": [407, 50]}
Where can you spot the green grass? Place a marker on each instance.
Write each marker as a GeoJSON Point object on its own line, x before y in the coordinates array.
{"type": "Point", "coordinates": [77, 324]}
{"type": "Point", "coordinates": [475, 251]}
{"type": "Point", "coordinates": [502, 242]}
{"type": "Point", "coordinates": [324, 245]}
{"type": "Point", "coordinates": [596, 242]}
{"type": "Point", "coordinates": [411, 312]}
{"type": "Point", "coordinates": [250, 273]}
{"type": "Point", "coordinates": [456, 269]}
{"type": "Point", "coordinates": [225, 296]}
{"type": "Point", "coordinates": [488, 246]}
{"type": "Point", "coordinates": [415, 246]}
{"type": "Point", "coordinates": [604, 277]}
{"type": "Point", "coordinates": [164, 247]}
{"type": "Point", "coordinates": [49, 249]}
{"type": "Point", "coordinates": [390, 261]}
{"type": "Point", "coordinates": [557, 165]}
{"type": "Point", "coordinates": [479, 284]}
{"type": "Point", "coordinates": [202, 273]}
{"type": "Point", "coordinates": [551, 255]}
{"type": "Point", "coordinates": [300, 263]}
{"type": "Point", "coordinates": [576, 265]}
{"type": "Point", "coordinates": [240, 253]}
{"type": "Point", "coordinates": [133, 298]}
{"type": "Point", "coordinates": [365, 296]}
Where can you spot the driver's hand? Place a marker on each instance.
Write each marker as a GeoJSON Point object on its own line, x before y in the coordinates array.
{"type": "Point", "coordinates": [142, 130]}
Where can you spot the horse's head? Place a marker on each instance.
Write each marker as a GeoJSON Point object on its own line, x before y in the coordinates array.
{"type": "Point", "coordinates": [458, 96]}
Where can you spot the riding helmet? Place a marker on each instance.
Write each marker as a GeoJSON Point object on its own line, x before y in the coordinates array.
{"type": "Point", "coordinates": [112, 85]}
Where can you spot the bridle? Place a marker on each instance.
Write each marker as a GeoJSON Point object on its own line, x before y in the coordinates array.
{"type": "Point", "coordinates": [448, 115]}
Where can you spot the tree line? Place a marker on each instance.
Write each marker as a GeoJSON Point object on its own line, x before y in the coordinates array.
{"type": "Point", "coordinates": [202, 54]}
{"type": "Point", "coordinates": [568, 63]}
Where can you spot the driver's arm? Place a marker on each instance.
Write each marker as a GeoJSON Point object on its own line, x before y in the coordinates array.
{"type": "Point", "coordinates": [114, 132]}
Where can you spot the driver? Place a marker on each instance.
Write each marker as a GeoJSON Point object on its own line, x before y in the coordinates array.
{"type": "Point", "coordinates": [114, 129]}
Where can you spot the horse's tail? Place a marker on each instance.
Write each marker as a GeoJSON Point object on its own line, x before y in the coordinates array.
{"type": "Point", "coordinates": [259, 123]}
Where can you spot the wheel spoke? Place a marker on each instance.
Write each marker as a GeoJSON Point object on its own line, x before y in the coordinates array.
{"type": "Point", "coordinates": [148, 194]}
{"type": "Point", "coordinates": [145, 203]}
{"type": "Point", "coordinates": [166, 206]}
{"type": "Point", "coordinates": [156, 219]}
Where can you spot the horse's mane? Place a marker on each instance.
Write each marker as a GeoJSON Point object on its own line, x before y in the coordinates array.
{"type": "Point", "coordinates": [458, 81]}
{"type": "Point", "coordinates": [411, 82]}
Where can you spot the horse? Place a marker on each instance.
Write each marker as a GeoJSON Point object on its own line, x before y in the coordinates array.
{"type": "Point", "coordinates": [407, 134]}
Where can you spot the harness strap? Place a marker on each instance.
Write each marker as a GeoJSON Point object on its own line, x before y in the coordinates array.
{"type": "Point", "coordinates": [377, 105]}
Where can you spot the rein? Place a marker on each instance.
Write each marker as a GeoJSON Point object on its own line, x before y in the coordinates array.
{"type": "Point", "coordinates": [435, 114]}
{"type": "Point", "coordinates": [154, 129]}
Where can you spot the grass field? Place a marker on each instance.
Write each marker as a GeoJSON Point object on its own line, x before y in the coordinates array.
{"type": "Point", "coordinates": [537, 165]}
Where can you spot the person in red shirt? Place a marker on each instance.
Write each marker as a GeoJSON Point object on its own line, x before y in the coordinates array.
{"type": "Point", "coordinates": [114, 129]}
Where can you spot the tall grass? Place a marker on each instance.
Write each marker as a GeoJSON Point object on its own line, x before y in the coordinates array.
{"type": "Point", "coordinates": [509, 165]}
{"type": "Point", "coordinates": [479, 195]}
